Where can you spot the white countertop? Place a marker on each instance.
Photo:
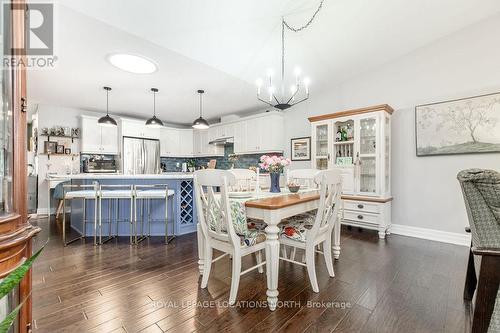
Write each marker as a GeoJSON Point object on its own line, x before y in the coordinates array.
{"type": "Point", "coordinates": [167, 175]}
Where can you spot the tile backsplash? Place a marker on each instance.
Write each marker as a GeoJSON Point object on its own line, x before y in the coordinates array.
{"type": "Point", "coordinates": [244, 161]}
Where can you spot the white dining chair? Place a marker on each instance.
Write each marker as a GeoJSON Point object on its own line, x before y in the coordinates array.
{"type": "Point", "coordinates": [298, 233]}
{"type": "Point", "coordinates": [304, 177]}
{"type": "Point", "coordinates": [245, 180]}
{"type": "Point", "coordinates": [214, 217]}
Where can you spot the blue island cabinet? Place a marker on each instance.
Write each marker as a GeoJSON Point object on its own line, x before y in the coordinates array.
{"type": "Point", "coordinates": [181, 211]}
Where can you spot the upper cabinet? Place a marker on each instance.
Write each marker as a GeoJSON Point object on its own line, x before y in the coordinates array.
{"type": "Point", "coordinates": [96, 139]}
{"type": "Point", "coordinates": [138, 129]}
{"type": "Point", "coordinates": [259, 134]}
{"type": "Point", "coordinates": [251, 135]}
{"type": "Point", "coordinates": [169, 142]}
{"type": "Point", "coordinates": [176, 142]}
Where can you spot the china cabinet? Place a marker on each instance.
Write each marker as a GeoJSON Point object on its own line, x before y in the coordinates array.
{"type": "Point", "coordinates": [15, 230]}
{"type": "Point", "coordinates": [359, 143]}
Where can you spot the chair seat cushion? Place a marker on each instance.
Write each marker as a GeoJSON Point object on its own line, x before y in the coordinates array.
{"type": "Point", "coordinates": [295, 230]}
{"type": "Point", "coordinates": [254, 224]}
{"type": "Point", "coordinates": [156, 194]}
{"type": "Point", "coordinates": [307, 217]}
{"type": "Point", "coordinates": [252, 237]}
{"type": "Point", "coordinates": [87, 194]}
{"type": "Point", "coordinates": [116, 194]}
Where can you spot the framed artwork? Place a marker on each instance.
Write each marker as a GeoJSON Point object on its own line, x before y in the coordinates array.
{"type": "Point", "coordinates": [461, 126]}
{"type": "Point", "coordinates": [50, 147]}
{"type": "Point", "coordinates": [60, 149]}
{"type": "Point", "coordinates": [67, 151]}
{"type": "Point", "coordinates": [301, 149]}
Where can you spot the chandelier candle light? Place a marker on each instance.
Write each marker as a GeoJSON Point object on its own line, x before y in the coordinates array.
{"type": "Point", "coordinates": [299, 91]}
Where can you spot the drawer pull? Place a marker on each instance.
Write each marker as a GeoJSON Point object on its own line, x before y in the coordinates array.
{"type": "Point", "coordinates": [360, 206]}
{"type": "Point", "coordinates": [360, 217]}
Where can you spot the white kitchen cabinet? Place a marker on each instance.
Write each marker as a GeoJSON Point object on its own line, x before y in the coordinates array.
{"type": "Point", "coordinates": [138, 129]}
{"type": "Point", "coordinates": [197, 142]}
{"type": "Point", "coordinates": [202, 147]}
{"type": "Point", "coordinates": [240, 137]}
{"type": "Point", "coordinates": [363, 154]}
{"type": "Point", "coordinates": [186, 142]}
{"type": "Point", "coordinates": [260, 134]}
{"type": "Point", "coordinates": [97, 139]}
{"type": "Point", "coordinates": [169, 142]}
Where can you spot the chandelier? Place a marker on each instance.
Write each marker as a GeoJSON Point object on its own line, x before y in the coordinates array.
{"type": "Point", "coordinates": [299, 91]}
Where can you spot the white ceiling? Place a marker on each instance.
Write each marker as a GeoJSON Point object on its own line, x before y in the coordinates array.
{"type": "Point", "coordinates": [222, 46]}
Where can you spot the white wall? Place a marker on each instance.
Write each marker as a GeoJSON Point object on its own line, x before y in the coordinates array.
{"type": "Point", "coordinates": [426, 192]}
{"type": "Point", "coordinates": [50, 116]}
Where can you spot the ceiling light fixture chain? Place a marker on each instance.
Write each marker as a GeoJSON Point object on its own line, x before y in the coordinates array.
{"type": "Point", "coordinates": [283, 102]}
{"type": "Point", "coordinates": [308, 22]}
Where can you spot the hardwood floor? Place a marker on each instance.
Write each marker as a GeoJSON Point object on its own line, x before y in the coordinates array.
{"type": "Point", "coordinates": [399, 285]}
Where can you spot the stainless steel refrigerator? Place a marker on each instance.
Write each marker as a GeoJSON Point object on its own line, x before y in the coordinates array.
{"type": "Point", "coordinates": [140, 156]}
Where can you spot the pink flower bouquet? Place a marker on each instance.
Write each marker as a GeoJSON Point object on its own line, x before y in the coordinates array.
{"type": "Point", "coordinates": [273, 164]}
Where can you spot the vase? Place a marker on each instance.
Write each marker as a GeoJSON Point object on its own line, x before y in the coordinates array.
{"type": "Point", "coordinates": [275, 182]}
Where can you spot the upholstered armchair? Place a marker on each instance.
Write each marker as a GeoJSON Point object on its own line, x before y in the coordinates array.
{"type": "Point", "coordinates": [481, 190]}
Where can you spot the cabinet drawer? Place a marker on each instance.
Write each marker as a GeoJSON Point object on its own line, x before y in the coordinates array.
{"type": "Point", "coordinates": [362, 206]}
{"type": "Point", "coordinates": [362, 217]}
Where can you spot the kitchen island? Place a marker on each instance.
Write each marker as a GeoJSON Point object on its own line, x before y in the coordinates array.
{"type": "Point", "coordinates": [181, 210]}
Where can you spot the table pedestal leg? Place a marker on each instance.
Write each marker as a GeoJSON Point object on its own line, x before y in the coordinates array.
{"type": "Point", "coordinates": [201, 247]}
{"type": "Point", "coordinates": [336, 239]}
{"type": "Point", "coordinates": [272, 261]}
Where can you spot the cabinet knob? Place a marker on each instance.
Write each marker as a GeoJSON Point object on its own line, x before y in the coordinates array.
{"type": "Point", "coordinates": [360, 206]}
{"type": "Point", "coordinates": [360, 217]}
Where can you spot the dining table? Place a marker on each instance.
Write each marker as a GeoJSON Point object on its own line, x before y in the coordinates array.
{"type": "Point", "coordinates": [272, 208]}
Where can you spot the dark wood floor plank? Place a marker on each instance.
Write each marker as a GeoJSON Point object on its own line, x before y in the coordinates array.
{"type": "Point", "coordinates": [398, 285]}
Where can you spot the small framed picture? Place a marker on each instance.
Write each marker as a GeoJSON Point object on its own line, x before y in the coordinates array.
{"type": "Point", "coordinates": [60, 149]}
{"type": "Point", "coordinates": [67, 151]}
{"type": "Point", "coordinates": [50, 147]}
{"type": "Point", "coordinates": [301, 149]}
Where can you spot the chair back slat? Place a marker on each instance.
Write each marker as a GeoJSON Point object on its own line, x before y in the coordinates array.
{"type": "Point", "coordinates": [303, 177]}
{"type": "Point", "coordinates": [213, 207]}
{"type": "Point", "coordinates": [246, 180]}
{"type": "Point", "coordinates": [330, 188]}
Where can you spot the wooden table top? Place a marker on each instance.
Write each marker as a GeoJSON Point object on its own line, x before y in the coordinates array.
{"type": "Point", "coordinates": [282, 201]}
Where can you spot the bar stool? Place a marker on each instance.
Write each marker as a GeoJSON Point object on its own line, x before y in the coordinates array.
{"type": "Point", "coordinates": [117, 193]}
{"type": "Point", "coordinates": [147, 193]}
{"type": "Point", "coordinates": [85, 192]}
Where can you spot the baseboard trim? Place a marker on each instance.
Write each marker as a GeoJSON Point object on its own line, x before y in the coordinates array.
{"type": "Point", "coordinates": [431, 234]}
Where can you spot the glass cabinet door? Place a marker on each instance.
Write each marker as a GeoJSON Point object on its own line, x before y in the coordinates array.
{"type": "Point", "coordinates": [321, 146]}
{"type": "Point", "coordinates": [367, 129]}
{"type": "Point", "coordinates": [6, 122]}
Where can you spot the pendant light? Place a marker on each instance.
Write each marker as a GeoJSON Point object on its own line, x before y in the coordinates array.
{"type": "Point", "coordinates": [200, 123]}
{"type": "Point", "coordinates": [107, 121]}
{"type": "Point", "coordinates": [154, 122]}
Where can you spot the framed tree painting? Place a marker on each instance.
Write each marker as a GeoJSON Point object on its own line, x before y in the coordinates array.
{"type": "Point", "coordinates": [462, 126]}
{"type": "Point", "coordinates": [301, 149]}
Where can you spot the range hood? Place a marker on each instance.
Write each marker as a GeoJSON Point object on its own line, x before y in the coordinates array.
{"type": "Point", "coordinates": [222, 141]}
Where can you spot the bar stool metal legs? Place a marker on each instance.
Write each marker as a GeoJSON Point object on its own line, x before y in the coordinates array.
{"type": "Point", "coordinates": [146, 194]}
{"type": "Point", "coordinates": [112, 193]}
{"type": "Point", "coordinates": [84, 192]}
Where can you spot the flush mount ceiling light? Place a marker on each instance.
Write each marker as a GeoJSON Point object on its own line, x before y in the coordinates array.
{"type": "Point", "coordinates": [280, 98]}
{"type": "Point", "coordinates": [154, 122]}
{"type": "Point", "coordinates": [132, 63]}
{"type": "Point", "coordinates": [107, 121]}
{"type": "Point", "coordinates": [200, 123]}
